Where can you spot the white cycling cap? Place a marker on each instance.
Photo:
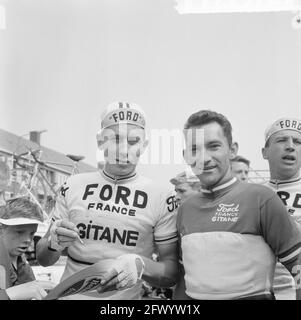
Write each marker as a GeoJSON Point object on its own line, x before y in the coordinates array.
{"type": "Point", "coordinates": [282, 124]}
{"type": "Point", "coordinates": [122, 112]}
{"type": "Point", "coordinates": [19, 221]}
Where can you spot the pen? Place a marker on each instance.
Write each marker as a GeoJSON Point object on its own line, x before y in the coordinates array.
{"type": "Point", "coordinates": [80, 240]}
{"type": "Point", "coordinates": [77, 235]}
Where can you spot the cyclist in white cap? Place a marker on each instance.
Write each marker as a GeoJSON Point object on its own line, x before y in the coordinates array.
{"type": "Point", "coordinates": [119, 215]}
{"type": "Point", "coordinates": [283, 151]}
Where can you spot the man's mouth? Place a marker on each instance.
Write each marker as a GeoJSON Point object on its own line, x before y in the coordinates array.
{"type": "Point", "coordinates": [209, 168]}
{"type": "Point", "coordinates": [289, 158]}
{"type": "Point", "coordinates": [122, 162]}
{"type": "Point", "coordinates": [23, 249]}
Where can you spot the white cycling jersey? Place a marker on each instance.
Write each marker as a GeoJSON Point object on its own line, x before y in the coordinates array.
{"type": "Point", "coordinates": [290, 193]}
{"type": "Point", "coordinates": [114, 217]}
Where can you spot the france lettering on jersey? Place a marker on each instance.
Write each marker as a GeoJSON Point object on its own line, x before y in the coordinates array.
{"type": "Point", "coordinates": [115, 217]}
{"type": "Point", "coordinates": [235, 233]}
{"type": "Point", "coordinates": [290, 194]}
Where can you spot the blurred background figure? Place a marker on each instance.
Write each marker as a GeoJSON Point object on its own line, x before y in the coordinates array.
{"type": "Point", "coordinates": [186, 184]}
{"type": "Point", "coordinates": [4, 181]}
{"type": "Point", "coordinates": [240, 167]}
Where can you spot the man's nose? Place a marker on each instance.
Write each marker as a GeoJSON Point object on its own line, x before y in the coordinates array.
{"type": "Point", "coordinates": [244, 176]}
{"type": "Point", "coordinates": [123, 148]}
{"type": "Point", "coordinates": [27, 238]}
{"type": "Point", "coordinates": [290, 145]}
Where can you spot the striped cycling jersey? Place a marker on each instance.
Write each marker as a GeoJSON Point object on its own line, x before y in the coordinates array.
{"type": "Point", "coordinates": [230, 237]}
{"type": "Point", "coordinates": [289, 192]}
{"type": "Point", "coordinates": [114, 217]}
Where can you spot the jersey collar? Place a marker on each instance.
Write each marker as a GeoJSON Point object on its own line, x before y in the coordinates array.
{"type": "Point", "coordinates": [277, 182]}
{"type": "Point", "coordinates": [220, 187]}
{"type": "Point", "coordinates": [115, 179]}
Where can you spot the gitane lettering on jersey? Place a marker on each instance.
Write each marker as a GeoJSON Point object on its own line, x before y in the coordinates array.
{"type": "Point", "coordinates": [121, 197]}
{"type": "Point", "coordinates": [96, 232]}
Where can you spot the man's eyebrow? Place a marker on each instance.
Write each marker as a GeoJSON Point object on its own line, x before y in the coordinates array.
{"type": "Point", "coordinates": [214, 141]}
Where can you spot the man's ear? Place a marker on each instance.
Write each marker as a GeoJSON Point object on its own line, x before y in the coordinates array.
{"type": "Point", "coordinates": [264, 152]}
{"type": "Point", "coordinates": [233, 150]}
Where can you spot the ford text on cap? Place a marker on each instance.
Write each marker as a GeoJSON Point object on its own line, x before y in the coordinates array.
{"type": "Point", "coordinates": [123, 112]}
{"type": "Point", "coordinates": [283, 124]}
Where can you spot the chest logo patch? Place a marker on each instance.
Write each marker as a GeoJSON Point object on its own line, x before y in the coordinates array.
{"type": "Point", "coordinates": [226, 213]}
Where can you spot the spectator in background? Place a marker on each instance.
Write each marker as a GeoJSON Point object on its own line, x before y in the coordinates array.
{"type": "Point", "coordinates": [4, 181]}
{"type": "Point", "coordinates": [186, 184]}
{"type": "Point", "coordinates": [240, 167]}
{"type": "Point", "coordinates": [283, 152]}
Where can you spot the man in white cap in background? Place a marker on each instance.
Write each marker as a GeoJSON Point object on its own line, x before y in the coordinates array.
{"type": "Point", "coordinates": [283, 151]}
{"type": "Point", "coordinates": [120, 216]}
{"type": "Point", "coordinates": [186, 184]}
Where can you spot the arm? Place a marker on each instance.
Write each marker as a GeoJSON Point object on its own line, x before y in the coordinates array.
{"type": "Point", "coordinates": [45, 255]}
{"type": "Point", "coordinates": [36, 290]}
{"type": "Point", "coordinates": [294, 267]}
{"type": "Point", "coordinates": [162, 273]}
{"type": "Point", "coordinates": [128, 268]}
{"type": "Point", "coordinates": [61, 234]}
{"type": "Point", "coordinates": [180, 289]}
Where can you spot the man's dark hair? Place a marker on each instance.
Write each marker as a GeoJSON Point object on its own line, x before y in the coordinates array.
{"type": "Point", "coordinates": [203, 117]}
{"type": "Point", "coordinates": [241, 159]}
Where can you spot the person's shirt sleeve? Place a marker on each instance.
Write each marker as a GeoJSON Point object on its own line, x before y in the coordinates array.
{"type": "Point", "coordinates": [280, 230]}
{"type": "Point", "coordinates": [165, 230]}
{"type": "Point", "coordinates": [61, 206]}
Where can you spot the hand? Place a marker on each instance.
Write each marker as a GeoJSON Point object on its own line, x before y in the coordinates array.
{"type": "Point", "coordinates": [62, 234]}
{"type": "Point", "coordinates": [33, 290]}
{"type": "Point", "coordinates": [124, 273]}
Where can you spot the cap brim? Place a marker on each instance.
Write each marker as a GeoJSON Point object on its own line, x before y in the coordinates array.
{"type": "Point", "coordinates": [19, 221]}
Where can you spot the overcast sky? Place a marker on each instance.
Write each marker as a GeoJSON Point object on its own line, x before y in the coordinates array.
{"type": "Point", "coordinates": [63, 61]}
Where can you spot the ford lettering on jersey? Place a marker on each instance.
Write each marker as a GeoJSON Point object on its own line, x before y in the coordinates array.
{"type": "Point", "coordinates": [121, 197]}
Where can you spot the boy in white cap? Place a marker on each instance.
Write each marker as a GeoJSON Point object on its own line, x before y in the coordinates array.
{"type": "Point", "coordinates": [19, 219]}
{"type": "Point", "coordinates": [120, 216]}
{"type": "Point", "coordinates": [283, 151]}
